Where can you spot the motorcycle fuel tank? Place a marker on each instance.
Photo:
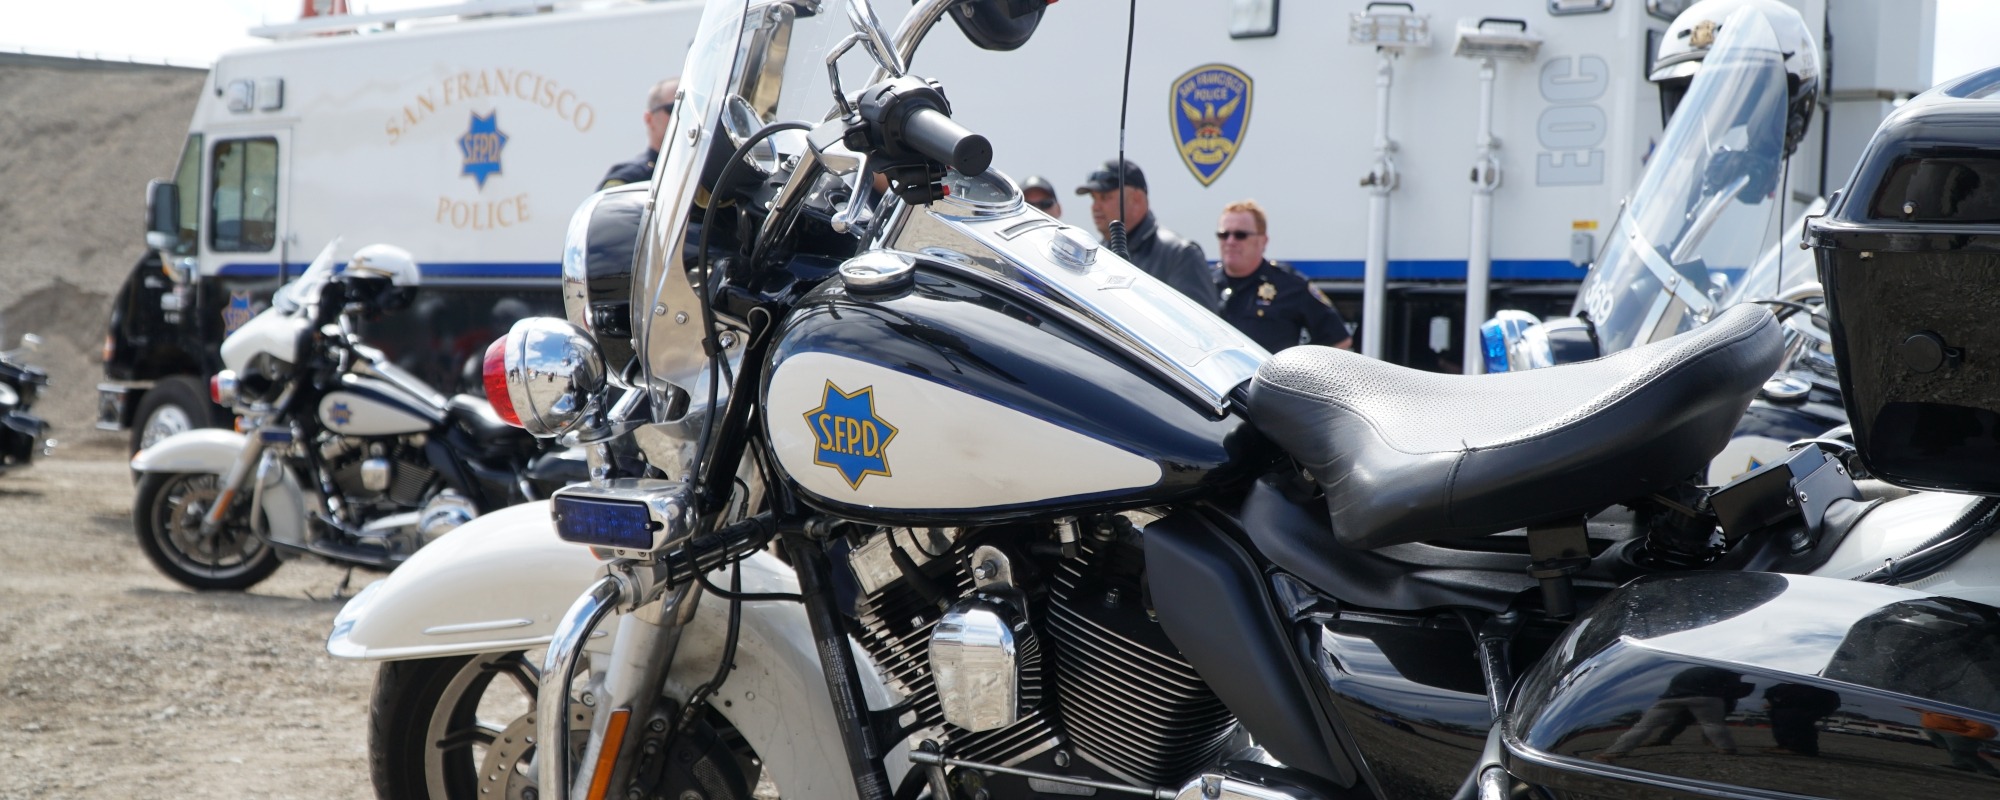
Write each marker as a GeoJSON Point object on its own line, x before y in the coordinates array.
{"type": "Point", "coordinates": [1764, 685]}
{"type": "Point", "coordinates": [370, 407]}
{"type": "Point", "coordinates": [949, 402]}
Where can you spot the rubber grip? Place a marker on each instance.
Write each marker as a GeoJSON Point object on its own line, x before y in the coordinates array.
{"type": "Point", "coordinates": [933, 134]}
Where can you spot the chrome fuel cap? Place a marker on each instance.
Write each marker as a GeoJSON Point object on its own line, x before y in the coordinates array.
{"type": "Point", "coordinates": [877, 271]}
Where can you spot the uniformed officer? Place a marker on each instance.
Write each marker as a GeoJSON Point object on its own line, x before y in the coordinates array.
{"type": "Point", "coordinates": [1041, 194]}
{"type": "Point", "coordinates": [1268, 302]}
{"type": "Point", "coordinates": [659, 117]}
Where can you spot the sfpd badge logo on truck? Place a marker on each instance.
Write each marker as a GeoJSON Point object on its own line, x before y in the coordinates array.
{"type": "Point", "coordinates": [1210, 111]}
{"type": "Point", "coordinates": [481, 147]}
{"type": "Point", "coordinates": [851, 437]}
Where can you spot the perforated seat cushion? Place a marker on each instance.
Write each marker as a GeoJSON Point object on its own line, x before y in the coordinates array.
{"type": "Point", "coordinates": [1405, 455]}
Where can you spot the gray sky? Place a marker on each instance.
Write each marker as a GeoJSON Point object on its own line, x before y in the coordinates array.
{"type": "Point", "coordinates": [193, 31]}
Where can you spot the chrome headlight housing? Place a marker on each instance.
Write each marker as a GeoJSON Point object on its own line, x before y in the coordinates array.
{"type": "Point", "coordinates": [544, 375]}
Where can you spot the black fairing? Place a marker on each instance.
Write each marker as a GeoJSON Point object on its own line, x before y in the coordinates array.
{"type": "Point", "coordinates": [975, 340]}
{"type": "Point", "coordinates": [1211, 600]}
{"type": "Point", "coordinates": [1821, 688]}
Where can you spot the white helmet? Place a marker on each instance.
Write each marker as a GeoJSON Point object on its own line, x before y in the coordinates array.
{"type": "Point", "coordinates": [385, 261]}
{"type": "Point", "coordinates": [381, 277]}
{"type": "Point", "coordinates": [1688, 39]}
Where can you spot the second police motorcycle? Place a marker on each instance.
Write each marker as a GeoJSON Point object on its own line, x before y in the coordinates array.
{"type": "Point", "coordinates": [1046, 528]}
{"type": "Point", "coordinates": [343, 455]}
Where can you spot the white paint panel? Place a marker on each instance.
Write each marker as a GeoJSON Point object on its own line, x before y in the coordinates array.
{"type": "Point", "coordinates": [366, 417]}
{"type": "Point", "coordinates": [951, 450]}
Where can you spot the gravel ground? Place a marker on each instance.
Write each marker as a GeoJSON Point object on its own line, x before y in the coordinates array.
{"type": "Point", "coordinates": [116, 682]}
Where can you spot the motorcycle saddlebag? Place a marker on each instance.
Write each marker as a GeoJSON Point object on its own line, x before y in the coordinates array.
{"type": "Point", "coordinates": [1763, 685]}
{"type": "Point", "coordinates": [1909, 254]}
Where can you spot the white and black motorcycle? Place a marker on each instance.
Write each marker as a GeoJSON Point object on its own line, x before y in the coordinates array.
{"type": "Point", "coordinates": [1050, 529]}
{"type": "Point", "coordinates": [342, 455]}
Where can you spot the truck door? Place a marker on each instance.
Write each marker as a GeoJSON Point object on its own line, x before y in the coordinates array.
{"type": "Point", "coordinates": [145, 319]}
{"type": "Point", "coordinates": [244, 239]}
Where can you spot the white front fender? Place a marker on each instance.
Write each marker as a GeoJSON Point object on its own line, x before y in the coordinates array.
{"type": "Point", "coordinates": [214, 451]}
{"type": "Point", "coordinates": [499, 582]}
{"type": "Point", "coordinates": [502, 581]}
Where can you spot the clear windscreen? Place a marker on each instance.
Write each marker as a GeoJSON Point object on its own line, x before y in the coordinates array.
{"type": "Point", "coordinates": [1708, 204]}
{"type": "Point", "coordinates": [305, 288]}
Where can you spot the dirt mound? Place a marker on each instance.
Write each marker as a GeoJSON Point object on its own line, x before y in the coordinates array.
{"type": "Point", "coordinates": [83, 137]}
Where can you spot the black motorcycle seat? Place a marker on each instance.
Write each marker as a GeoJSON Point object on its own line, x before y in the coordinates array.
{"type": "Point", "coordinates": [1410, 456]}
{"type": "Point", "coordinates": [488, 430]}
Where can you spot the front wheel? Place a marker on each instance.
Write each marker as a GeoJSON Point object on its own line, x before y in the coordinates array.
{"type": "Point", "coordinates": [168, 514]}
{"type": "Point", "coordinates": [462, 727]}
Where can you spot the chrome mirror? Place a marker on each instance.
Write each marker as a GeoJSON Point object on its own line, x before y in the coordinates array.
{"type": "Point", "coordinates": [861, 15]}
{"type": "Point", "coordinates": [544, 376]}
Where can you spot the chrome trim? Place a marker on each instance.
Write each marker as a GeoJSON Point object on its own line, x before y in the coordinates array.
{"type": "Point", "coordinates": [553, 369]}
{"type": "Point", "coordinates": [928, 759]}
{"type": "Point", "coordinates": [982, 654]}
{"type": "Point", "coordinates": [877, 270]}
{"type": "Point", "coordinates": [477, 627]}
{"type": "Point", "coordinates": [911, 32]}
{"type": "Point", "coordinates": [552, 697]}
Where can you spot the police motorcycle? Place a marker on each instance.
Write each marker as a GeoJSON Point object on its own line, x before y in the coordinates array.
{"type": "Point", "coordinates": [1706, 230]}
{"type": "Point", "coordinates": [343, 455]}
{"type": "Point", "coordinates": [1046, 528]}
{"type": "Point", "coordinates": [22, 435]}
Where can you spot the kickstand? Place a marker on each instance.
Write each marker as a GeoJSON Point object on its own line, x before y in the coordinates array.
{"type": "Point", "coordinates": [340, 590]}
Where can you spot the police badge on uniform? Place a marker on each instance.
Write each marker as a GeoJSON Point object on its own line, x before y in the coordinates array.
{"type": "Point", "coordinates": [1210, 111]}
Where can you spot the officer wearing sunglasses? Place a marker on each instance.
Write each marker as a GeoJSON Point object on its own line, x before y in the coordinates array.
{"type": "Point", "coordinates": [1268, 302]}
{"type": "Point", "coordinates": [659, 117]}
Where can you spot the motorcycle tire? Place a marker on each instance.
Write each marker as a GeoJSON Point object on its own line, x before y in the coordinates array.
{"type": "Point", "coordinates": [173, 405]}
{"type": "Point", "coordinates": [168, 528]}
{"type": "Point", "coordinates": [428, 715]}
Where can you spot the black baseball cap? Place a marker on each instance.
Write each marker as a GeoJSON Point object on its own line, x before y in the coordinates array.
{"type": "Point", "coordinates": [1109, 176]}
{"type": "Point", "coordinates": [1038, 182]}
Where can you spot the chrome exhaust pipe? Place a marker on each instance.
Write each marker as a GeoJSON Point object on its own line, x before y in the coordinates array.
{"type": "Point", "coordinates": [552, 698]}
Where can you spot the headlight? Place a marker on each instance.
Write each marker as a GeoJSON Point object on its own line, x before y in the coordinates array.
{"type": "Point", "coordinates": [600, 251]}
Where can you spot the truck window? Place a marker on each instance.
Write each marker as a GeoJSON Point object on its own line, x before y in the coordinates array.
{"type": "Point", "coordinates": [187, 184]}
{"type": "Point", "coordinates": [243, 206]}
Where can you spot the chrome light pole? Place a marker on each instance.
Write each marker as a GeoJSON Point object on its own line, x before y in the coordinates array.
{"type": "Point", "coordinates": [1390, 32]}
{"type": "Point", "coordinates": [1486, 40]}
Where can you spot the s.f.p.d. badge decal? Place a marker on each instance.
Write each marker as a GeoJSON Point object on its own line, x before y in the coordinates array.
{"type": "Point", "coordinates": [1210, 109]}
{"type": "Point", "coordinates": [849, 436]}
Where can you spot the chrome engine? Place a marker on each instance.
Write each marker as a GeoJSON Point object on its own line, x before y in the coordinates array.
{"type": "Point", "coordinates": [1004, 615]}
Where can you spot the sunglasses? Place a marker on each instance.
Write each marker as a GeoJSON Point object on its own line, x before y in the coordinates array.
{"type": "Point", "coordinates": [1044, 204]}
{"type": "Point", "coordinates": [1239, 235]}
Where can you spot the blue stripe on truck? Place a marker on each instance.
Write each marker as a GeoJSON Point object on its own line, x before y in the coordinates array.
{"type": "Point", "coordinates": [549, 269]}
{"type": "Point", "coordinates": [1443, 269]}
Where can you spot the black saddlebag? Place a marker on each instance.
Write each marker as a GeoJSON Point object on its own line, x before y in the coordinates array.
{"type": "Point", "coordinates": [1764, 685]}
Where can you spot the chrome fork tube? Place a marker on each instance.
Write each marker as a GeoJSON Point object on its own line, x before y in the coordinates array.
{"type": "Point", "coordinates": [647, 640]}
{"type": "Point", "coordinates": [253, 450]}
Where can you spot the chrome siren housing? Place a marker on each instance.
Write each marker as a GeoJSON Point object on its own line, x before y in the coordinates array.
{"type": "Point", "coordinates": [553, 369]}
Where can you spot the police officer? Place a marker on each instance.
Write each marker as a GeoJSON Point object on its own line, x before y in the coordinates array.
{"type": "Point", "coordinates": [659, 117]}
{"type": "Point", "coordinates": [1269, 303]}
{"type": "Point", "coordinates": [1041, 194]}
{"type": "Point", "coordinates": [1157, 251]}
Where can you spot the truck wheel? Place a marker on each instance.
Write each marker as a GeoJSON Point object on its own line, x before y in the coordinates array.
{"type": "Point", "coordinates": [167, 516]}
{"type": "Point", "coordinates": [173, 405]}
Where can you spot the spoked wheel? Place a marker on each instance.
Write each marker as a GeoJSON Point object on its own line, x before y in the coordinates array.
{"type": "Point", "coordinates": [463, 727]}
{"type": "Point", "coordinates": [168, 515]}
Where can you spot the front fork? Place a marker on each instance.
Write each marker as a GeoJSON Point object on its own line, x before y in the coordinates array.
{"type": "Point", "coordinates": [246, 463]}
{"type": "Point", "coordinates": [648, 637]}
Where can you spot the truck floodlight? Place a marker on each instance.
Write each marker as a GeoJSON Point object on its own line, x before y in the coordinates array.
{"type": "Point", "coordinates": [1495, 38]}
{"type": "Point", "coordinates": [1391, 30]}
{"type": "Point", "coordinates": [270, 94]}
{"type": "Point", "coordinates": [240, 95]}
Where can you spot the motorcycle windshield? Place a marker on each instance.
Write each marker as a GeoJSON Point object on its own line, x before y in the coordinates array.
{"type": "Point", "coordinates": [752, 63]}
{"type": "Point", "coordinates": [1708, 202]}
{"type": "Point", "coordinates": [304, 289]}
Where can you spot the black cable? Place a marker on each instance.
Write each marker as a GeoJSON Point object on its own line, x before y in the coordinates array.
{"type": "Point", "coordinates": [1116, 240]}
{"type": "Point", "coordinates": [703, 265]}
{"type": "Point", "coordinates": [1971, 528]}
{"type": "Point", "coordinates": [727, 662]}
{"type": "Point", "coordinates": [746, 597]}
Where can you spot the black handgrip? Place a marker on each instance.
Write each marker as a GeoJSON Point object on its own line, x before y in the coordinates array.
{"type": "Point", "coordinates": [930, 132]}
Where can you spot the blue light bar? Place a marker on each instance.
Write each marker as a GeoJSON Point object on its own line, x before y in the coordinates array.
{"type": "Point", "coordinates": [604, 523]}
